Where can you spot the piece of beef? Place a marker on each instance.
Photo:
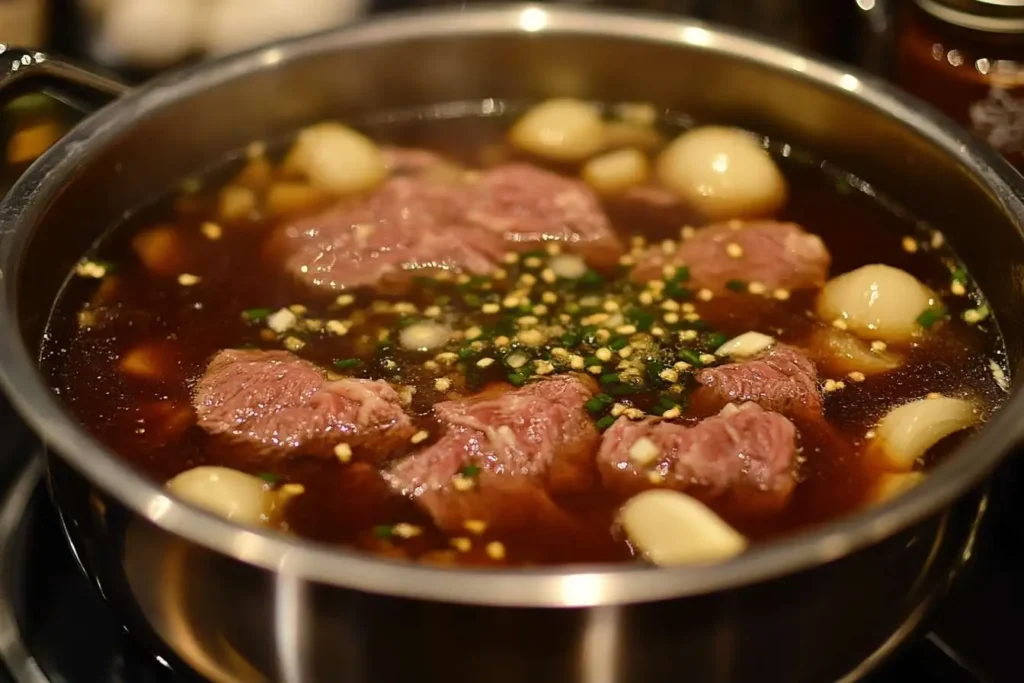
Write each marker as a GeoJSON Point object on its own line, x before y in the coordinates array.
{"type": "Point", "coordinates": [778, 255]}
{"type": "Point", "coordinates": [524, 443]}
{"type": "Point", "coordinates": [276, 404]}
{"type": "Point", "coordinates": [659, 210]}
{"type": "Point", "coordinates": [406, 227]}
{"type": "Point", "coordinates": [744, 451]}
{"type": "Point", "coordinates": [519, 207]}
{"type": "Point", "coordinates": [782, 379]}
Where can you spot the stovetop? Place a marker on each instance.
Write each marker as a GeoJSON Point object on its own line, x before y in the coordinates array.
{"type": "Point", "coordinates": [54, 627]}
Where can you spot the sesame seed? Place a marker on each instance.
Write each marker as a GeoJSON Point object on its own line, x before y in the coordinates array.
{"type": "Point", "coordinates": [688, 308]}
{"type": "Point", "coordinates": [669, 246]}
{"type": "Point", "coordinates": [90, 269]}
{"type": "Point", "coordinates": [443, 276]}
{"type": "Point", "coordinates": [473, 332]}
{"type": "Point", "coordinates": [543, 367]}
{"type": "Point", "coordinates": [442, 384]}
{"type": "Point", "coordinates": [510, 302]}
{"type": "Point", "coordinates": [626, 329]}
{"type": "Point", "coordinates": [502, 341]}
{"type": "Point", "coordinates": [431, 365]}
{"type": "Point", "coordinates": [656, 285]}
{"type": "Point", "coordinates": [687, 231]}
{"type": "Point", "coordinates": [625, 352]}
{"type": "Point", "coordinates": [938, 239]}
{"type": "Point", "coordinates": [188, 279]}
{"type": "Point", "coordinates": [671, 413]}
{"type": "Point", "coordinates": [839, 324]}
{"type": "Point", "coordinates": [691, 317]}
{"type": "Point", "coordinates": [646, 298]}
{"type": "Point", "coordinates": [475, 526]}
{"type": "Point", "coordinates": [733, 250]}
{"type": "Point", "coordinates": [603, 354]}
{"type": "Point", "coordinates": [540, 309]}
{"type": "Point", "coordinates": [495, 550]}
{"type": "Point", "coordinates": [549, 297]}
{"type": "Point", "coordinates": [293, 343]}
{"type": "Point", "coordinates": [343, 452]}
{"type": "Point", "coordinates": [688, 335]}
{"type": "Point", "coordinates": [293, 489]}
{"type": "Point", "coordinates": [211, 231]}
{"type": "Point", "coordinates": [527, 280]}
{"type": "Point", "coordinates": [655, 477]}
{"type": "Point", "coordinates": [406, 530]}
{"type": "Point", "coordinates": [909, 245]}
{"type": "Point", "coordinates": [553, 248]}
{"type": "Point", "coordinates": [638, 241]}
{"type": "Point", "coordinates": [337, 328]}
{"type": "Point", "coordinates": [485, 362]}
{"type": "Point", "coordinates": [680, 366]}
{"type": "Point", "coordinates": [669, 305]}
{"type": "Point", "coordinates": [671, 318]}
{"type": "Point", "coordinates": [856, 376]}
{"type": "Point", "coordinates": [878, 346]}
{"type": "Point", "coordinates": [644, 451]}
{"type": "Point", "coordinates": [462, 483]}
{"type": "Point", "coordinates": [490, 308]}
{"type": "Point", "coordinates": [511, 258]}
{"type": "Point", "coordinates": [499, 274]}
{"type": "Point", "coordinates": [781, 294]}
{"type": "Point", "coordinates": [657, 331]}
{"type": "Point", "coordinates": [668, 271]}
{"type": "Point", "coordinates": [516, 360]}
{"type": "Point", "coordinates": [627, 260]}
{"type": "Point", "coordinates": [669, 375]}
{"type": "Point", "coordinates": [756, 288]}
{"type": "Point", "coordinates": [463, 279]}
{"type": "Point", "coordinates": [957, 288]}
{"type": "Point", "coordinates": [420, 436]}
{"type": "Point", "coordinates": [548, 276]}
{"type": "Point", "coordinates": [610, 306]}
{"type": "Point", "coordinates": [478, 345]}
{"type": "Point", "coordinates": [595, 369]}
{"type": "Point", "coordinates": [576, 362]}
{"type": "Point", "coordinates": [463, 545]}
{"type": "Point", "coordinates": [532, 262]}
{"type": "Point", "coordinates": [531, 337]}
{"type": "Point", "coordinates": [705, 294]}
{"type": "Point", "coordinates": [707, 358]}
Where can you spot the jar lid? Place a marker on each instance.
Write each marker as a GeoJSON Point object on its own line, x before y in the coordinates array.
{"type": "Point", "coordinates": [995, 16]}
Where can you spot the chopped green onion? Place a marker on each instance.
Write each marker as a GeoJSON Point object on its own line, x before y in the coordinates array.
{"type": "Point", "coordinates": [610, 379]}
{"type": "Point", "coordinates": [269, 477]}
{"type": "Point", "coordinates": [592, 360]}
{"type": "Point", "coordinates": [643, 320]}
{"type": "Point", "coordinates": [676, 291]}
{"type": "Point", "coordinates": [466, 352]}
{"type": "Point", "coordinates": [570, 339]}
{"type": "Point", "coordinates": [736, 285]}
{"type": "Point", "coordinates": [383, 530]}
{"type": "Point", "coordinates": [472, 300]}
{"type": "Point", "coordinates": [691, 357]}
{"type": "Point", "coordinates": [618, 343]}
{"type": "Point", "coordinates": [470, 471]}
{"type": "Point", "coordinates": [256, 314]}
{"type": "Point", "coordinates": [716, 339]}
{"type": "Point", "coordinates": [960, 275]}
{"type": "Point", "coordinates": [516, 379]}
{"type": "Point", "coordinates": [599, 403]}
{"type": "Point", "coordinates": [682, 274]}
{"type": "Point", "coordinates": [347, 363]}
{"type": "Point", "coordinates": [930, 316]}
{"type": "Point", "coordinates": [605, 422]}
{"type": "Point", "coordinates": [590, 279]}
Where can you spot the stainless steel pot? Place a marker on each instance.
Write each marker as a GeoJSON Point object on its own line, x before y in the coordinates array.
{"type": "Point", "coordinates": [244, 604]}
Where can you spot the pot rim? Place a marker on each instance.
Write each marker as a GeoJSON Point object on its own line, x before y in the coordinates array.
{"type": "Point", "coordinates": [570, 586]}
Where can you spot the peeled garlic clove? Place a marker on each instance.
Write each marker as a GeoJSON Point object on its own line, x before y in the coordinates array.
{"type": "Point", "coordinates": [723, 173]}
{"type": "Point", "coordinates": [561, 129]}
{"type": "Point", "coordinates": [876, 302]}
{"type": "Point", "coordinates": [337, 159]}
{"type": "Point", "coordinates": [892, 484]}
{"type": "Point", "coordinates": [841, 353]}
{"type": "Point", "coordinates": [616, 171]}
{"type": "Point", "coordinates": [671, 528]}
{"type": "Point", "coordinates": [746, 345]}
{"type": "Point", "coordinates": [908, 431]}
{"type": "Point", "coordinates": [228, 493]}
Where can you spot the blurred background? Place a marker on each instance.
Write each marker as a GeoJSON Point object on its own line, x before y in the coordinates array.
{"type": "Point", "coordinates": [963, 56]}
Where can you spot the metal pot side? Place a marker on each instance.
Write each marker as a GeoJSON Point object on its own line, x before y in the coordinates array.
{"type": "Point", "coordinates": [241, 604]}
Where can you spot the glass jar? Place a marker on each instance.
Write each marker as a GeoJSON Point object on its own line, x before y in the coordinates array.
{"type": "Point", "coordinates": [967, 58]}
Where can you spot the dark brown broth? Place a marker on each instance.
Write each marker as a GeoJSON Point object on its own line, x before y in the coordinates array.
{"type": "Point", "coordinates": [343, 503]}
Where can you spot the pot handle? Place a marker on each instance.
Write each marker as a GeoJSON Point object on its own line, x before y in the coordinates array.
{"type": "Point", "coordinates": [24, 70]}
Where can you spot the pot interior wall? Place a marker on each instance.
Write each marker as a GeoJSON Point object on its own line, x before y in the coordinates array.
{"type": "Point", "coordinates": [182, 126]}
